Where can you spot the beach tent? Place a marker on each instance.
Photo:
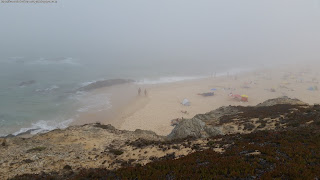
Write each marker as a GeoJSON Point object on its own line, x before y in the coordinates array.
{"type": "Point", "coordinates": [185, 102]}
{"type": "Point", "coordinates": [235, 96]}
{"type": "Point", "coordinates": [244, 98]}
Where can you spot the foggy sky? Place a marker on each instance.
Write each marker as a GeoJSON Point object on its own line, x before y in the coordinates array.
{"type": "Point", "coordinates": [164, 30]}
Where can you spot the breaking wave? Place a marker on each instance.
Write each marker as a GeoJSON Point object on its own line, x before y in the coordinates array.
{"type": "Point", "coordinates": [49, 89]}
{"type": "Point", "coordinates": [44, 126]}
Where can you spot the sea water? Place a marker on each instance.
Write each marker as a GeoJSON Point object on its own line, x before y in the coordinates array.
{"type": "Point", "coordinates": [38, 94]}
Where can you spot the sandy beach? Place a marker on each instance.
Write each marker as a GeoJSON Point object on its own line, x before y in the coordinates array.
{"type": "Point", "coordinates": [163, 102]}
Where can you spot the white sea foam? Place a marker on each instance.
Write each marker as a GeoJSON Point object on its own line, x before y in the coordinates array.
{"type": "Point", "coordinates": [51, 88]}
{"type": "Point", "coordinates": [92, 102]}
{"type": "Point", "coordinates": [90, 82]}
{"type": "Point", "coordinates": [172, 79]}
{"type": "Point", "coordinates": [44, 126]}
{"type": "Point", "coordinates": [87, 83]}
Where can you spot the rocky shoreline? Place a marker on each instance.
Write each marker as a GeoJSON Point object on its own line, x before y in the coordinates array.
{"type": "Point", "coordinates": [104, 83]}
{"type": "Point", "coordinates": [69, 151]}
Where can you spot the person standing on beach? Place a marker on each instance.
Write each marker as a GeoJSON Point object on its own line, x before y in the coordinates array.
{"type": "Point", "coordinates": [145, 92]}
{"type": "Point", "coordinates": [139, 91]}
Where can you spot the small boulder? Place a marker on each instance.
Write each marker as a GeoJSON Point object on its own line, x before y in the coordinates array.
{"type": "Point", "coordinates": [193, 128]}
{"type": "Point", "coordinates": [3, 142]}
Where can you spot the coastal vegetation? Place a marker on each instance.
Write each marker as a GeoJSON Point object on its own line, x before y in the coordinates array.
{"type": "Point", "coordinates": [287, 150]}
{"type": "Point", "coordinates": [288, 154]}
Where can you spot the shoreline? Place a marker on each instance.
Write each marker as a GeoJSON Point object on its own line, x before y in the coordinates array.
{"type": "Point", "coordinates": [66, 119]}
{"type": "Point", "coordinates": [163, 103]}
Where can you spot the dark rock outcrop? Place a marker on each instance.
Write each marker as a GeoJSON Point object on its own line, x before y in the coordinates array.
{"type": "Point", "coordinates": [202, 125]}
{"type": "Point", "coordinates": [193, 128]}
{"type": "Point", "coordinates": [215, 115]}
{"type": "Point", "coordinates": [235, 119]}
{"type": "Point", "coordinates": [104, 83]}
{"type": "Point", "coordinates": [27, 83]}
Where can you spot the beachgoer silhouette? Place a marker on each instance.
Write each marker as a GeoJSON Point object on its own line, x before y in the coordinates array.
{"type": "Point", "coordinates": [139, 91]}
{"type": "Point", "coordinates": [145, 92]}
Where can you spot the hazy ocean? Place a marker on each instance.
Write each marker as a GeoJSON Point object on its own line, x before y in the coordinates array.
{"type": "Point", "coordinates": [38, 93]}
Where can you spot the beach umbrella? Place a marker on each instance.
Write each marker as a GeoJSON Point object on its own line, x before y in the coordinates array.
{"type": "Point", "coordinates": [245, 96]}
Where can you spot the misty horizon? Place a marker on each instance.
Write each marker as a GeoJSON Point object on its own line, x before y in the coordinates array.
{"type": "Point", "coordinates": [163, 32]}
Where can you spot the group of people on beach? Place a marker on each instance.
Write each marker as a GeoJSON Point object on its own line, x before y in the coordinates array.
{"type": "Point", "coordinates": [145, 92]}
